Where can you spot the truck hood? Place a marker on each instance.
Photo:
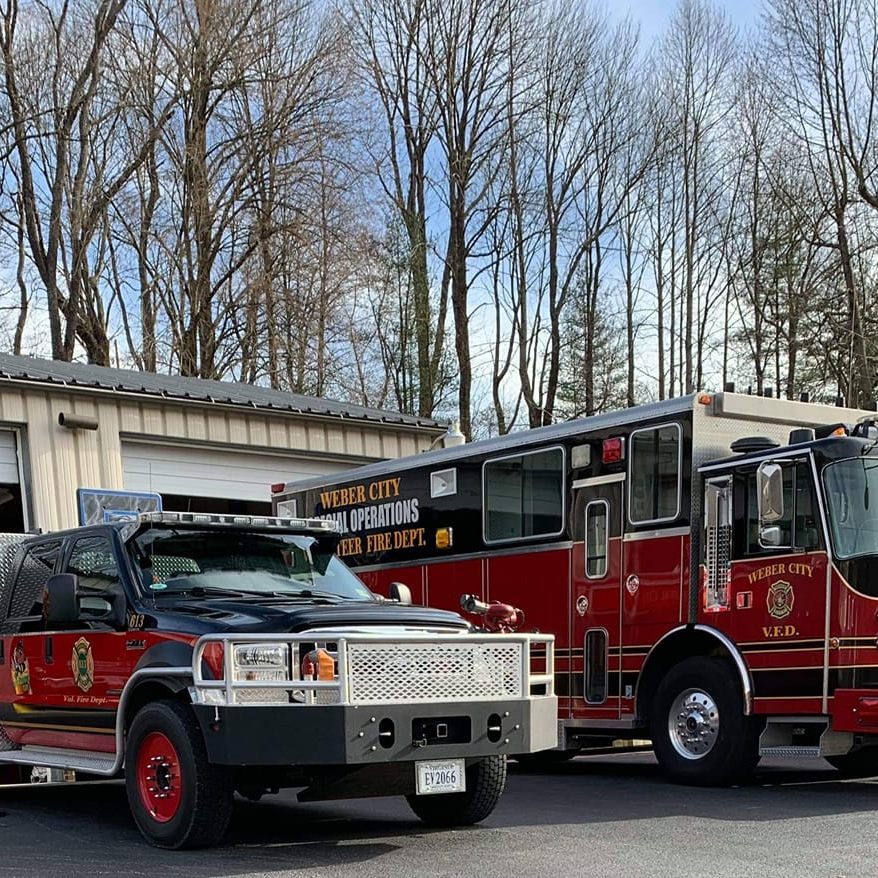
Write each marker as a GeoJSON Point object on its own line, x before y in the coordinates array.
{"type": "Point", "coordinates": [222, 615]}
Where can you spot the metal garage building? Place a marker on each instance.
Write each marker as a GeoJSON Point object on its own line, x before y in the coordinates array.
{"type": "Point", "coordinates": [203, 445]}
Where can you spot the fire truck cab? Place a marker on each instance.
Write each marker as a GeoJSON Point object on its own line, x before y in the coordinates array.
{"type": "Point", "coordinates": [708, 565]}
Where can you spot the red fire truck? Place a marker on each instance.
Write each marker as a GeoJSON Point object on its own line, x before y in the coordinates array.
{"type": "Point", "coordinates": [708, 566]}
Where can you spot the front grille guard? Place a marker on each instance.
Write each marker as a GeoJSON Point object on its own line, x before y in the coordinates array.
{"type": "Point", "coordinates": [537, 663]}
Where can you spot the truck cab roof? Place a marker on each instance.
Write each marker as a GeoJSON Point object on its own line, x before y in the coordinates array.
{"type": "Point", "coordinates": [826, 449]}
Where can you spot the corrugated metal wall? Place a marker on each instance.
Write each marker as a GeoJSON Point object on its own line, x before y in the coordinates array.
{"type": "Point", "coordinates": [58, 461]}
{"type": "Point", "coordinates": [208, 471]}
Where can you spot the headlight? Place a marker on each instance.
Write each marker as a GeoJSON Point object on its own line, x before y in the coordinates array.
{"type": "Point", "coordinates": [262, 661]}
{"type": "Point", "coordinates": [262, 655]}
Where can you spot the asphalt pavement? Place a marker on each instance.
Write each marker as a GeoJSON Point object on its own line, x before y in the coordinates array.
{"type": "Point", "coordinates": [595, 816]}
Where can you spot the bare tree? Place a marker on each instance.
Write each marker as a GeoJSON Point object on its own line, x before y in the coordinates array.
{"type": "Point", "coordinates": [697, 55]}
{"type": "Point", "coordinates": [466, 56]}
{"type": "Point", "coordinates": [576, 148]}
{"type": "Point", "coordinates": [391, 40]}
{"type": "Point", "coordinates": [810, 40]}
{"type": "Point", "coordinates": [70, 164]}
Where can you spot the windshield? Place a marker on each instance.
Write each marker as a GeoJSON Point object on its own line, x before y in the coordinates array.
{"type": "Point", "coordinates": [197, 562]}
{"type": "Point", "coordinates": [852, 494]}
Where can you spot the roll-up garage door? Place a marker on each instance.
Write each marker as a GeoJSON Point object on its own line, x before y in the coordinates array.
{"type": "Point", "coordinates": [203, 471]}
{"type": "Point", "coordinates": [13, 518]}
{"type": "Point", "coordinates": [8, 458]}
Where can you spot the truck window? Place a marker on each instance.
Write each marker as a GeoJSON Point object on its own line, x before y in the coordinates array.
{"type": "Point", "coordinates": [37, 565]}
{"type": "Point", "coordinates": [524, 496]}
{"type": "Point", "coordinates": [595, 684]}
{"type": "Point", "coordinates": [654, 477]}
{"type": "Point", "coordinates": [192, 561]}
{"type": "Point", "coordinates": [596, 539]}
{"type": "Point", "coordinates": [93, 561]}
{"type": "Point", "coordinates": [799, 526]}
{"type": "Point", "coordinates": [850, 491]}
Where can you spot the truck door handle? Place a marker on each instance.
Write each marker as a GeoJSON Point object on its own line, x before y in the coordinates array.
{"type": "Point", "coordinates": [48, 650]}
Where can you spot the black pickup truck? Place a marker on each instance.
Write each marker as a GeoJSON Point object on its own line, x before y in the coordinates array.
{"type": "Point", "coordinates": [204, 655]}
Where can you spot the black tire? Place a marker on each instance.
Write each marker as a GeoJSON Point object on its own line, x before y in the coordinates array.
{"type": "Point", "coordinates": [860, 763]}
{"type": "Point", "coordinates": [485, 782]}
{"type": "Point", "coordinates": [709, 691]}
{"type": "Point", "coordinates": [203, 792]}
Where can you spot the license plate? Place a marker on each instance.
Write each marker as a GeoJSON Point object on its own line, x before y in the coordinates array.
{"type": "Point", "coordinates": [447, 776]}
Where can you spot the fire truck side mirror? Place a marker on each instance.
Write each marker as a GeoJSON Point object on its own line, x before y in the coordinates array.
{"type": "Point", "coordinates": [400, 593]}
{"type": "Point", "coordinates": [60, 603]}
{"type": "Point", "coordinates": [770, 537]}
{"type": "Point", "coordinates": [770, 503]}
{"type": "Point", "coordinates": [64, 605]}
{"type": "Point", "coordinates": [769, 491]}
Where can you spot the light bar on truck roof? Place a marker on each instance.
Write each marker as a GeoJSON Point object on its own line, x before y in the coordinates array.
{"type": "Point", "coordinates": [254, 522]}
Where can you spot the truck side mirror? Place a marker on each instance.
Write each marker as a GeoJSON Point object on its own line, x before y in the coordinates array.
{"type": "Point", "coordinates": [770, 504]}
{"type": "Point", "coordinates": [108, 607]}
{"type": "Point", "coordinates": [400, 593]}
{"type": "Point", "coordinates": [60, 604]}
{"type": "Point", "coordinates": [63, 605]}
{"type": "Point", "coordinates": [770, 536]}
{"type": "Point", "coordinates": [769, 492]}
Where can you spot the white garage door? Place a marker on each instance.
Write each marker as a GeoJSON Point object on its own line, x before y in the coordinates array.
{"type": "Point", "coordinates": [199, 471]}
{"type": "Point", "coordinates": [8, 458]}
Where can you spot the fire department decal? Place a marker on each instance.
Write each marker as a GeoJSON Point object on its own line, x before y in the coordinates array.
{"type": "Point", "coordinates": [780, 599]}
{"type": "Point", "coordinates": [20, 670]}
{"type": "Point", "coordinates": [82, 664]}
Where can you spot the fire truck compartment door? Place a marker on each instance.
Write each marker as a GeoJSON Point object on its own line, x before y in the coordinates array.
{"type": "Point", "coordinates": [596, 599]}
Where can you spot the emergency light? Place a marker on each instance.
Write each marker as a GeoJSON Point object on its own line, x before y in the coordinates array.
{"type": "Point", "coordinates": [613, 450]}
{"type": "Point", "coordinates": [254, 522]}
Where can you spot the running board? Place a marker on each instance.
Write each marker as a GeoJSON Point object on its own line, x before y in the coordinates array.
{"type": "Point", "coordinates": [55, 757]}
{"type": "Point", "coordinates": [792, 752]}
{"type": "Point", "coordinates": [802, 737]}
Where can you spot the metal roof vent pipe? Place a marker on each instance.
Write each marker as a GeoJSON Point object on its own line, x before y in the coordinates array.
{"type": "Point", "coordinates": [451, 438]}
{"type": "Point", "coordinates": [71, 421]}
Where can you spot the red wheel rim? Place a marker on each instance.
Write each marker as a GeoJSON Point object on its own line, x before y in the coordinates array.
{"type": "Point", "coordinates": [158, 777]}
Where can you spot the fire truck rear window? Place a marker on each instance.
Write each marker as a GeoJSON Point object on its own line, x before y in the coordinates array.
{"type": "Point", "coordinates": [655, 474]}
{"type": "Point", "coordinates": [524, 496]}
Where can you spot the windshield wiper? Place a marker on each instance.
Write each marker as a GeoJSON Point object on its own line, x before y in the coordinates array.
{"type": "Point", "coordinates": [200, 591]}
{"type": "Point", "coordinates": [307, 594]}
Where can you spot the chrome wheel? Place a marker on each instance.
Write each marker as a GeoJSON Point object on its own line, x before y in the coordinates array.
{"type": "Point", "coordinates": [693, 723]}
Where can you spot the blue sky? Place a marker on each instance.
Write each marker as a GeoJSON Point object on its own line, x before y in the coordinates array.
{"type": "Point", "coordinates": [654, 14]}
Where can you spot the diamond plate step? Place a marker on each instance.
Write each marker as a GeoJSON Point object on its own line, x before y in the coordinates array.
{"type": "Point", "coordinates": [791, 752]}
{"type": "Point", "coordinates": [52, 757]}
